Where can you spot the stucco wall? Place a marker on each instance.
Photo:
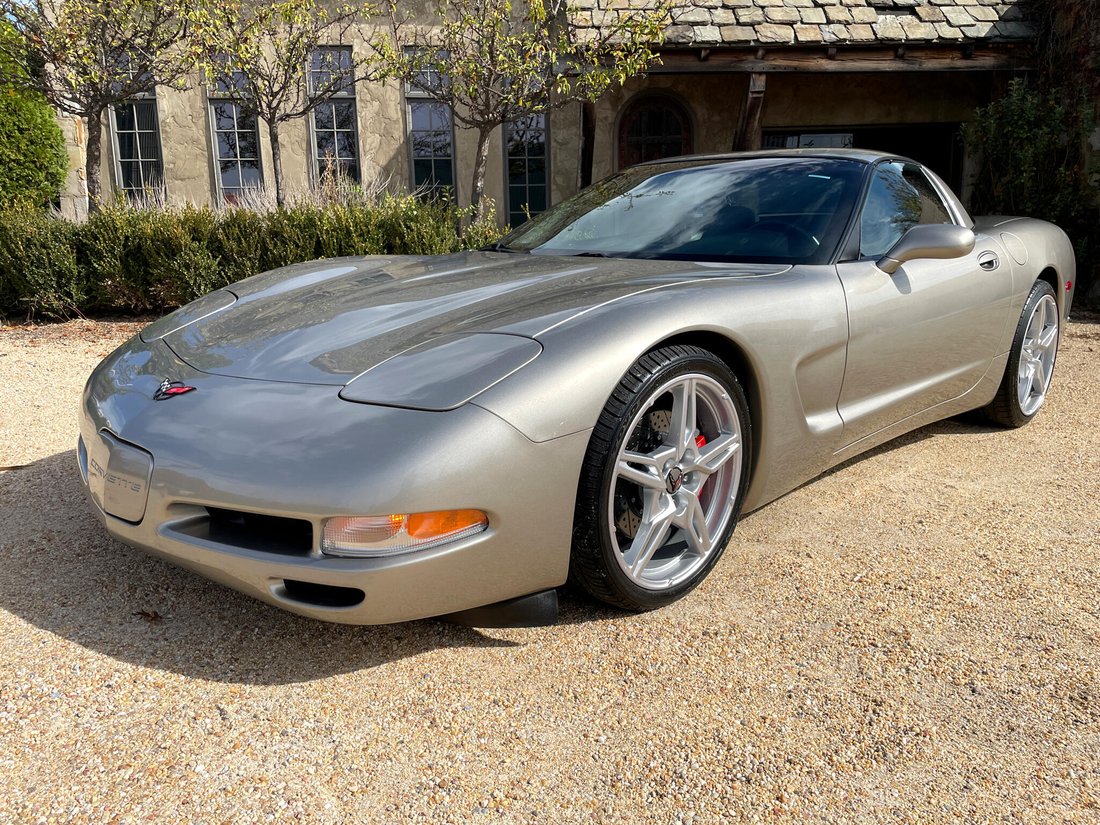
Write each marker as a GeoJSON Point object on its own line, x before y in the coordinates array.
{"type": "Point", "coordinates": [189, 166]}
{"type": "Point", "coordinates": [713, 101]}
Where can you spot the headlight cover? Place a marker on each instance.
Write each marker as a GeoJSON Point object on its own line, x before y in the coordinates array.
{"type": "Point", "coordinates": [443, 373]}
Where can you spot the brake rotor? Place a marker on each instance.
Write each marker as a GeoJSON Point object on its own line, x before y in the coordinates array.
{"type": "Point", "coordinates": [646, 438]}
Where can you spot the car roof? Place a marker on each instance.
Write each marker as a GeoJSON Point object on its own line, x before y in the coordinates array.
{"type": "Point", "coordinates": [859, 155]}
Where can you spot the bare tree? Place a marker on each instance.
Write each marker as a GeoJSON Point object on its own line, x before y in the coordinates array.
{"type": "Point", "coordinates": [494, 62]}
{"type": "Point", "coordinates": [269, 58]}
{"type": "Point", "coordinates": [88, 55]}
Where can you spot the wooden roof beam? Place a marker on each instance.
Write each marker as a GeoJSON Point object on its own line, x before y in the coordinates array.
{"type": "Point", "coordinates": [911, 58]}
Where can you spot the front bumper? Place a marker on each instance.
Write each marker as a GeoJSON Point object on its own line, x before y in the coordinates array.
{"type": "Point", "coordinates": [296, 451]}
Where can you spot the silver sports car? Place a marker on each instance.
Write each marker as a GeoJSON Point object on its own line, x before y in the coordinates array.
{"type": "Point", "coordinates": [596, 398]}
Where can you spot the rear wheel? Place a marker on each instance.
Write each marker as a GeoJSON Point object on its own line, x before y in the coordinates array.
{"type": "Point", "coordinates": [1030, 363]}
{"type": "Point", "coordinates": [662, 481]}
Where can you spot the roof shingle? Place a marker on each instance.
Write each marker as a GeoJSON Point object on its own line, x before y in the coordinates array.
{"type": "Point", "coordinates": [796, 22]}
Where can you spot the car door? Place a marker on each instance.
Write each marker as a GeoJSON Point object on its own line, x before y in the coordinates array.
{"type": "Point", "coordinates": [926, 333]}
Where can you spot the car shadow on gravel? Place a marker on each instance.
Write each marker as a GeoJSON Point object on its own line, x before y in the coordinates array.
{"type": "Point", "coordinates": [965, 424]}
{"type": "Point", "coordinates": [61, 572]}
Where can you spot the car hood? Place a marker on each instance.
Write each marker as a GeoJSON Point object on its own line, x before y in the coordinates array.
{"type": "Point", "coordinates": [327, 321]}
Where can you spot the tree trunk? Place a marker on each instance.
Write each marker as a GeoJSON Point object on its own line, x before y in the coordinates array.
{"type": "Point", "coordinates": [93, 160]}
{"type": "Point", "coordinates": [277, 161]}
{"type": "Point", "coordinates": [480, 161]}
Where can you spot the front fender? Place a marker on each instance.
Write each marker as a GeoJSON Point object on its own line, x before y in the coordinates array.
{"type": "Point", "coordinates": [790, 329]}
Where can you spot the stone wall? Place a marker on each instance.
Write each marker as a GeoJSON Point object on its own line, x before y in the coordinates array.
{"type": "Point", "coordinates": [74, 197]}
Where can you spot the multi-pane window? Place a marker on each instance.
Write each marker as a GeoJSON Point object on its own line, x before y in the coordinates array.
{"type": "Point", "coordinates": [137, 147]}
{"type": "Point", "coordinates": [335, 138]}
{"type": "Point", "coordinates": [431, 137]}
{"type": "Point", "coordinates": [653, 128]}
{"type": "Point", "coordinates": [526, 163]}
{"type": "Point", "coordinates": [236, 144]}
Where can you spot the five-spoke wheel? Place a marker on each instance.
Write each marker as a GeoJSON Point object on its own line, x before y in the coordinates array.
{"type": "Point", "coordinates": [1036, 363]}
{"type": "Point", "coordinates": [1030, 362]}
{"type": "Point", "coordinates": [663, 479]}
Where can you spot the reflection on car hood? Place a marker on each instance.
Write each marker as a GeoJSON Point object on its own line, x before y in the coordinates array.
{"type": "Point", "coordinates": [327, 321]}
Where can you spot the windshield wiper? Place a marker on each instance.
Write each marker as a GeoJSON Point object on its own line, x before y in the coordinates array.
{"type": "Point", "coordinates": [590, 255]}
{"type": "Point", "coordinates": [500, 247]}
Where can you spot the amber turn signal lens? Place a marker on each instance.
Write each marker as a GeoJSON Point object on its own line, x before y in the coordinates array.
{"type": "Point", "coordinates": [379, 536]}
{"type": "Point", "coordinates": [445, 522]}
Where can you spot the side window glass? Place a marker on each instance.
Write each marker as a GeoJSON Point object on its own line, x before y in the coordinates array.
{"type": "Point", "coordinates": [900, 197]}
{"type": "Point", "coordinates": [932, 209]}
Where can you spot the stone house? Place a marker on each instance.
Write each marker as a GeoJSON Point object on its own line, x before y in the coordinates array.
{"type": "Point", "coordinates": [897, 75]}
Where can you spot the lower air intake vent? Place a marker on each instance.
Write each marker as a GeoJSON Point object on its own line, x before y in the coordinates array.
{"type": "Point", "coordinates": [253, 531]}
{"type": "Point", "coordinates": [323, 595]}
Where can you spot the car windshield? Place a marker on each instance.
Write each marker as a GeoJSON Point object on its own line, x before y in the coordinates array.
{"type": "Point", "coordinates": [756, 210]}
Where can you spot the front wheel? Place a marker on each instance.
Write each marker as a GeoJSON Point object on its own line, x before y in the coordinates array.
{"type": "Point", "coordinates": [662, 481]}
{"type": "Point", "coordinates": [1030, 363]}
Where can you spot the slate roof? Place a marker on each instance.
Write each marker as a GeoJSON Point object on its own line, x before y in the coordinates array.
{"type": "Point", "coordinates": [816, 22]}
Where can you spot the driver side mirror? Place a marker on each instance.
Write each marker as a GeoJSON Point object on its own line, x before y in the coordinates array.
{"type": "Point", "coordinates": [927, 240]}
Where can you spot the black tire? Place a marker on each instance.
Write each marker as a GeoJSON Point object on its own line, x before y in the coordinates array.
{"type": "Point", "coordinates": [1005, 409]}
{"type": "Point", "coordinates": [595, 560]}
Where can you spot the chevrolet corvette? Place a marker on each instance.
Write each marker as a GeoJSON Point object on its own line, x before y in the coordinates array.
{"type": "Point", "coordinates": [597, 398]}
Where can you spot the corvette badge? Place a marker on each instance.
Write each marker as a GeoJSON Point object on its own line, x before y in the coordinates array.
{"type": "Point", "coordinates": [170, 389]}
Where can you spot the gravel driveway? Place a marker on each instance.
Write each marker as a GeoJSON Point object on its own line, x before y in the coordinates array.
{"type": "Point", "coordinates": [913, 637]}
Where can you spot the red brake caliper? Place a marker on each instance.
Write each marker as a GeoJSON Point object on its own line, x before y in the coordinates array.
{"type": "Point", "coordinates": [700, 442]}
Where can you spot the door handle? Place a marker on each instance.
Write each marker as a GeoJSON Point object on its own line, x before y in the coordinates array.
{"type": "Point", "coordinates": [989, 261]}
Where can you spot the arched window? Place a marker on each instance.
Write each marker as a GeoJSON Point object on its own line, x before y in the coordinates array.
{"type": "Point", "coordinates": [653, 127]}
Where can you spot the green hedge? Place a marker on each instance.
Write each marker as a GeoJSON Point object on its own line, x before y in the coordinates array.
{"type": "Point", "coordinates": [130, 260]}
{"type": "Point", "coordinates": [33, 163]}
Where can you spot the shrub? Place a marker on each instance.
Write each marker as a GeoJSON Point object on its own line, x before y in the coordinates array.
{"type": "Point", "coordinates": [111, 251]}
{"type": "Point", "coordinates": [33, 163]}
{"type": "Point", "coordinates": [1035, 156]}
{"type": "Point", "coordinates": [237, 243]}
{"type": "Point", "coordinates": [176, 248]}
{"type": "Point", "coordinates": [39, 274]}
{"type": "Point", "coordinates": [134, 260]}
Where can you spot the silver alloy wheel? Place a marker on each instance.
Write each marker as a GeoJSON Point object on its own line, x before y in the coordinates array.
{"type": "Point", "coordinates": [1038, 349]}
{"type": "Point", "coordinates": [684, 487]}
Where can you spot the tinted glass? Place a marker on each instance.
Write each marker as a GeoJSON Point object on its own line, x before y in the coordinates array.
{"type": "Point", "coordinates": [331, 66]}
{"type": "Point", "coordinates": [763, 210]}
{"type": "Point", "coordinates": [237, 148]}
{"type": "Point", "coordinates": [137, 145]}
{"type": "Point", "coordinates": [124, 118]}
{"type": "Point", "coordinates": [335, 141]}
{"type": "Point", "coordinates": [432, 147]}
{"type": "Point", "coordinates": [525, 145]}
{"type": "Point", "coordinates": [323, 117]}
{"type": "Point", "coordinates": [900, 197]}
{"type": "Point", "coordinates": [344, 115]}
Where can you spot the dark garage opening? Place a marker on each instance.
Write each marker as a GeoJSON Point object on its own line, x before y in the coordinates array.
{"type": "Point", "coordinates": [937, 145]}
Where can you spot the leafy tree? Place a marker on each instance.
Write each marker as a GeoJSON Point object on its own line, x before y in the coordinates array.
{"type": "Point", "coordinates": [265, 55]}
{"type": "Point", "coordinates": [1068, 54]}
{"type": "Point", "coordinates": [1033, 152]}
{"type": "Point", "coordinates": [87, 55]}
{"type": "Point", "coordinates": [33, 162]}
{"type": "Point", "coordinates": [493, 62]}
